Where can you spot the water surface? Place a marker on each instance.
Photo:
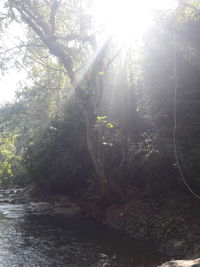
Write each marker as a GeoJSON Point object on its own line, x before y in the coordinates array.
{"type": "Point", "coordinates": [34, 237]}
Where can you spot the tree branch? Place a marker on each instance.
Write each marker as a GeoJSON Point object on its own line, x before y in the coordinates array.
{"type": "Point", "coordinates": [79, 37]}
{"type": "Point", "coordinates": [20, 46]}
{"type": "Point", "coordinates": [45, 65]}
{"type": "Point", "coordinates": [55, 48]}
{"type": "Point", "coordinates": [54, 7]}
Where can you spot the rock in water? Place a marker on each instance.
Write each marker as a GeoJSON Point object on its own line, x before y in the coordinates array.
{"type": "Point", "coordinates": [182, 263]}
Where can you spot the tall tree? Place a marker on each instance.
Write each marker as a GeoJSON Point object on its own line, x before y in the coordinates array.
{"type": "Point", "coordinates": [63, 29]}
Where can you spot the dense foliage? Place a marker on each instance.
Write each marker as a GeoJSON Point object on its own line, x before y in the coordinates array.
{"type": "Point", "coordinates": [112, 123]}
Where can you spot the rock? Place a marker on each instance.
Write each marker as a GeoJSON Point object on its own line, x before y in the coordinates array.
{"type": "Point", "coordinates": [5, 200]}
{"type": "Point", "coordinates": [182, 263]}
{"type": "Point", "coordinates": [54, 204]}
{"type": "Point", "coordinates": [67, 210]}
{"type": "Point", "coordinates": [19, 200]}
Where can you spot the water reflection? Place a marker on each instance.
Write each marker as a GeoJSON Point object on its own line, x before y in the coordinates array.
{"type": "Point", "coordinates": [29, 238]}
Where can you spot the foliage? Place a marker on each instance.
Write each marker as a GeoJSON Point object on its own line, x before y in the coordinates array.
{"type": "Point", "coordinates": [57, 160]}
{"type": "Point", "coordinates": [82, 116]}
{"type": "Point", "coordinates": [8, 157]}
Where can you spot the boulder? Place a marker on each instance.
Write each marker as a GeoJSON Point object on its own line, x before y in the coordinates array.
{"type": "Point", "coordinates": [182, 263]}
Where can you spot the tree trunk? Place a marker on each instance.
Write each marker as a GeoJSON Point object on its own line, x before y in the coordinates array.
{"type": "Point", "coordinates": [92, 144]}
{"type": "Point", "coordinates": [95, 81]}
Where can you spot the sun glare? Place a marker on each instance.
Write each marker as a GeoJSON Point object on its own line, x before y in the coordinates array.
{"type": "Point", "coordinates": [128, 19]}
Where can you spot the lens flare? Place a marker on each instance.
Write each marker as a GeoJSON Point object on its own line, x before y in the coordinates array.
{"type": "Point", "coordinates": [128, 19]}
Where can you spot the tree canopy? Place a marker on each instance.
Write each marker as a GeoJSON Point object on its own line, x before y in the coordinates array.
{"type": "Point", "coordinates": [96, 112]}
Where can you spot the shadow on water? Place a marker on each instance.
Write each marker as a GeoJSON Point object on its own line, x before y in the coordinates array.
{"type": "Point", "coordinates": [35, 239]}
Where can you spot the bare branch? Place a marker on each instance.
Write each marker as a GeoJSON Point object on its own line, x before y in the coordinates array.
{"type": "Point", "coordinates": [35, 16]}
{"type": "Point", "coordinates": [20, 46]}
{"type": "Point", "coordinates": [39, 61]}
{"type": "Point", "coordinates": [55, 48]}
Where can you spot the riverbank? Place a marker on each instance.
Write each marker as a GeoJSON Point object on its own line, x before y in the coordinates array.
{"type": "Point", "coordinates": [171, 220]}
{"type": "Point", "coordinates": [45, 232]}
{"type": "Point", "coordinates": [35, 234]}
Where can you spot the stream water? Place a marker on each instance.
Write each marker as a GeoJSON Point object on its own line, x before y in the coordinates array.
{"type": "Point", "coordinates": [32, 237]}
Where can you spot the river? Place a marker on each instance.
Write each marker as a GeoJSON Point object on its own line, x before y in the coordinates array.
{"type": "Point", "coordinates": [31, 236]}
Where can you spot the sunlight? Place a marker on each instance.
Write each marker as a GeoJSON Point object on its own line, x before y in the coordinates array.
{"type": "Point", "coordinates": [128, 19]}
{"type": "Point", "coordinates": [9, 86]}
{"type": "Point", "coordinates": [13, 36]}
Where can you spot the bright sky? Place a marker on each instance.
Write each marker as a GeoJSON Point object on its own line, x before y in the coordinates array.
{"type": "Point", "coordinates": [8, 85]}
{"type": "Point", "coordinates": [9, 81]}
{"type": "Point", "coordinates": [129, 19]}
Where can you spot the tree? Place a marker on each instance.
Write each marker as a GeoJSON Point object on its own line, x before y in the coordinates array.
{"type": "Point", "coordinates": [64, 33]}
{"type": "Point", "coordinates": [8, 157]}
{"type": "Point", "coordinates": [128, 106]}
